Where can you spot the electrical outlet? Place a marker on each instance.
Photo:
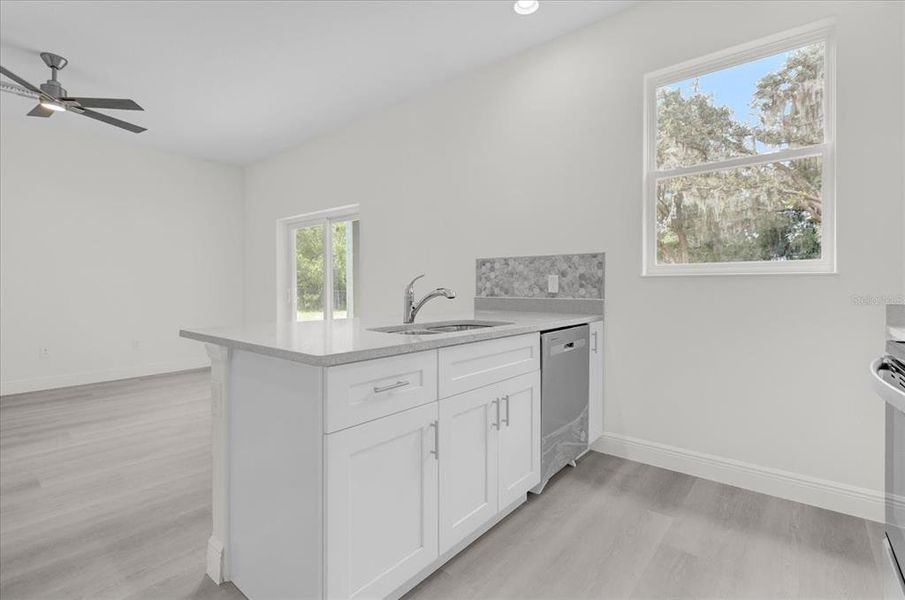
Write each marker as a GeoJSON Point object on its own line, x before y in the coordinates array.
{"type": "Point", "coordinates": [43, 352]}
{"type": "Point", "coordinates": [553, 284]}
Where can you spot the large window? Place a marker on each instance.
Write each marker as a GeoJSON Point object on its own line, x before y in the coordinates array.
{"type": "Point", "coordinates": [739, 160]}
{"type": "Point", "coordinates": [318, 262]}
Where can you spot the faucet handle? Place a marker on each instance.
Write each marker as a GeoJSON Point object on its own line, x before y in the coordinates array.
{"type": "Point", "coordinates": [411, 286]}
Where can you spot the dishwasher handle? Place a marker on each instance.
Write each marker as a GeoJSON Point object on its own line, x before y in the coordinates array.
{"type": "Point", "coordinates": [569, 346]}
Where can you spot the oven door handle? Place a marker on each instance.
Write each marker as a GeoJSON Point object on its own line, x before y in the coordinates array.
{"type": "Point", "coordinates": [892, 395]}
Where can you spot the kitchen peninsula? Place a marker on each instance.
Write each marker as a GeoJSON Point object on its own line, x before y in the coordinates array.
{"type": "Point", "coordinates": [350, 462]}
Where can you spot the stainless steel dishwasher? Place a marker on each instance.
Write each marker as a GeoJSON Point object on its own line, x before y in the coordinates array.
{"type": "Point", "coordinates": [564, 399]}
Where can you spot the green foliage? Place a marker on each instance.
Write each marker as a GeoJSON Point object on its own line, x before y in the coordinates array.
{"type": "Point", "coordinates": [693, 130]}
{"type": "Point", "coordinates": [766, 212]}
{"type": "Point", "coordinates": [309, 249]}
{"type": "Point", "coordinates": [339, 265]}
{"type": "Point", "coordinates": [309, 268]}
{"type": "Point", "coordinates": [790, 101]}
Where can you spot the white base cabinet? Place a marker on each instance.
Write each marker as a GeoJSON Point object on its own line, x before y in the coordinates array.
{"type": "Point", "coordinates": [469, 444]}
{"type": "Point", "coordinates": [490, 453]}
{"type": "Point", "coordinates": [357, 481]}
{"type": "Point", "coordinates": [381, 503]}
{"type": "Point", "coordinates": [519, 436]}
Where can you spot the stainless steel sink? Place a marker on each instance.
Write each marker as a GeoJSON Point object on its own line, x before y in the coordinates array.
{"type": "Point", "coordinates": [415, 331]}
{"type": "Point", "coordinates": [458, 327]}
{"type": "Point", "coordinates": [439, 327]}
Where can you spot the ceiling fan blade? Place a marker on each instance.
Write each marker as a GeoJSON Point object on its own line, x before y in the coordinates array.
{"type": "Point", "coordinates": [21, 81]}
{"type": "Point", "coordinates": [18, 90]}
{"type": "Point", "coordinates": [40, 111]}
{"type": "Point", "coordinates": [113, 103]}
{"type": "Point", "coordinates": [109, 120]}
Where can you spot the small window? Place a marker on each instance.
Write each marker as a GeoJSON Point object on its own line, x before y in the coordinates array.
{"type": "Point", "coordinates": [320, 265]}
{"type": "Point", "coordinates": [739, 160]}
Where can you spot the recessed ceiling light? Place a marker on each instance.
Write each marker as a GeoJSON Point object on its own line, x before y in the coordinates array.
{"type": "Point", "coordinates": [526, 7]}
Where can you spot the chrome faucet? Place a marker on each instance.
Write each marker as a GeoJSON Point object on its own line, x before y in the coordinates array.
{"type": "Point", "coordinates": [410, 308]}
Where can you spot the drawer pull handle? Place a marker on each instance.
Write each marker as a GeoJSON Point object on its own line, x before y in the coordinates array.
{"type": "Point", "coordinates": [392, 386]}
{"type": "Point", "coordinates": [506, 420]}
{"type": "Point", "coordinates": [496, 424]}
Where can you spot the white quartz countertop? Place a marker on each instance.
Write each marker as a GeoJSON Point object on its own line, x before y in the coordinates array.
{"type": "Point", "coordinates": [328, 343]}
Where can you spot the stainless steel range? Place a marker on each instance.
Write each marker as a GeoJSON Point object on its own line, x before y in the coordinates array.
{"type": "Point", "coordinates": [889, 382]}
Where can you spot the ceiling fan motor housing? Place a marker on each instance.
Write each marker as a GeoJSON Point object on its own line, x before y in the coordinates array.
{"type": "Point", "coordinates": [53, 88]}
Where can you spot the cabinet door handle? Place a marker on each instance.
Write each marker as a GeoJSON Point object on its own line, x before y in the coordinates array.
{"type": "Point", "coordinates": [506, 398]}
{"type": "Point", "coordinates": [594, 349]}
{"type": "Point", "coordinates": [436, 450]}
{"type": "Point", "coordinates": [392, 386]}
{"type": "Point", "coordinates": [496, 424]}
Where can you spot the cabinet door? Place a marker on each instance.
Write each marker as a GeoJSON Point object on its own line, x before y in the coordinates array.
{"type": "Point", "coordinates": [469, 425]}
{"type": "Point", "coordinates": [381, 503]}
{"type": "Point", "coordinates": [595, 385]}
{"type": "Point", "coordinates": [519, 436]}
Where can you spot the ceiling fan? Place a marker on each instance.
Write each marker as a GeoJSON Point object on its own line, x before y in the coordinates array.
{"type": "Point", "coordinates": [53, 98]}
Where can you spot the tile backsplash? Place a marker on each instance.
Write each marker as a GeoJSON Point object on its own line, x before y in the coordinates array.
{"type": "Point", "coordinates": [580, 276]}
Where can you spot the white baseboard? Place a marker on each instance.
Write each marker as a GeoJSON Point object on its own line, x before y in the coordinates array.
{"type": "Point", "coordinates": [839, 497]}
{"type": "Point", "coordinates": [216, 561]}
{"type": "Point", "coordinates": [19, 386]}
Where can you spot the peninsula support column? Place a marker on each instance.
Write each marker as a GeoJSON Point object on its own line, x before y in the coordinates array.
{"type": "Point", "coordinates": [218, 544]}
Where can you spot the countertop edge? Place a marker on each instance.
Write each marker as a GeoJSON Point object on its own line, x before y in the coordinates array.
{"type": "Point", "coordinates": [441, 341]}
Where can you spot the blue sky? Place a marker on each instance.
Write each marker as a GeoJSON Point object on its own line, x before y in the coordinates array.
{"type": "Point", "coordinates": [734, 87]}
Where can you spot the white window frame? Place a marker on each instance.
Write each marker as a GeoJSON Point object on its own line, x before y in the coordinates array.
{"type": "Point", "coordinates": [287, 286]}
{"type": "Point", "coordinates": [822, 31]}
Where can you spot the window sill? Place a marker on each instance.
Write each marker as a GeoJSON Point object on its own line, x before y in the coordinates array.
{"type": "Point", "coordinates": [740, 269]}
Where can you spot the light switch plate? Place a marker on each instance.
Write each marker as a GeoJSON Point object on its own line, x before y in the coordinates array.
{"type": "Point", "coordinates": [553, 284]}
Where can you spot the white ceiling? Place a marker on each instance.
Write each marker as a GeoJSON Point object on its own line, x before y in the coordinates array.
{"type": "Point", "coordinates": [238, 81]}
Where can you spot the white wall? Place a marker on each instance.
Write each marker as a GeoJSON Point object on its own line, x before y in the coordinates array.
{"type": "Point", "coordinates": [103, 244]}
{"type": "Point", "coordinates": [764, 376]}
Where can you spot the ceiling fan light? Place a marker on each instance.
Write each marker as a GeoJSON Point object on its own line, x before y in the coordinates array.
{"type": "Point", "coordinates": [52, 105]}
{"type": "Point", "coordinates": [526, 7]}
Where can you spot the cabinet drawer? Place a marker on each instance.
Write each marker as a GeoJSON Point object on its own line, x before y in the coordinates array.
{"type": "Point", "coordinates": [471, 366]}
{"type": "Point", "coordinates": [368, 390]}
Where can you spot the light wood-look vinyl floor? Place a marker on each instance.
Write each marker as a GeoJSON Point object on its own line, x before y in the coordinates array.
{"type": "Point", "coordinates": [105, 493]}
